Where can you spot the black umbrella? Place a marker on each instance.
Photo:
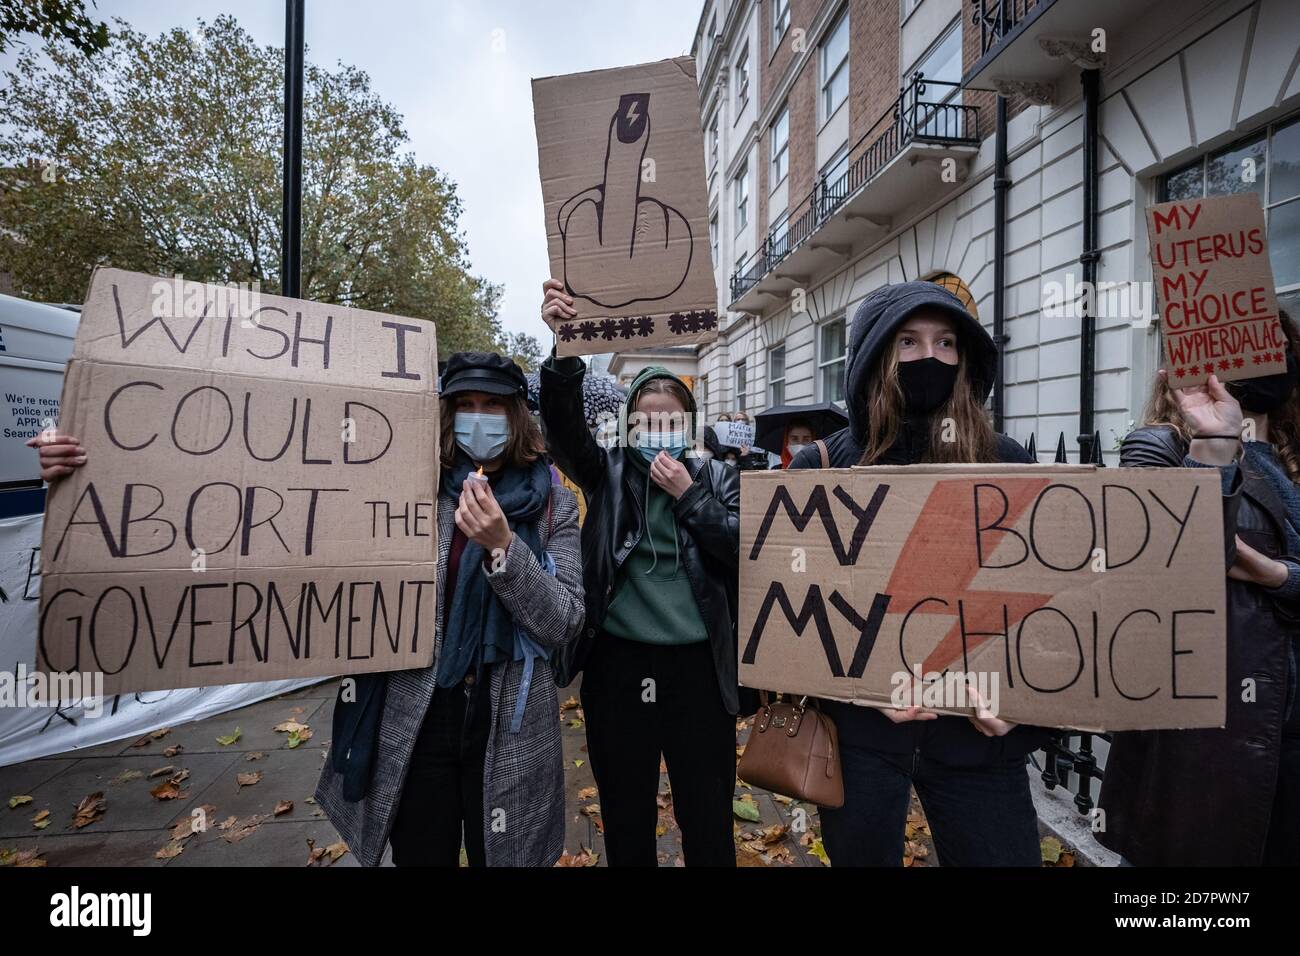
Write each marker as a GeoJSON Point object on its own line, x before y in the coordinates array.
{"type": "Point", "coordinates": [770, 425]}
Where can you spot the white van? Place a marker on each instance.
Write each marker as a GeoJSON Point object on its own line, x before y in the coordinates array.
{"type": "Point", "coordinates": [35, 344]}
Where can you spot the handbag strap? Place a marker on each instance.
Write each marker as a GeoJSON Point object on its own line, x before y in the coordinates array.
{"type": "Point", "coordinates": [826, 455]}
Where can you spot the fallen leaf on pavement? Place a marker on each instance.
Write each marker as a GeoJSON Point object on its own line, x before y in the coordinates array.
{"type": "Point", "coordinates": [90, 809]}
{"type": "Point", "coordinates": [172, 849]}
{"type": "Point", "coordinates": [16, 802]}
{"type": "Point", "coordinates": [283, 807]}
{"type": "Point", "coordinates": [160, 734]}
{"type": "Point", "coordinates": [746, 809]}
{"type": "Point", "coordinates": [248, 779]}
{"type": "Point", "coordinates": [229, 739]}
{"type": "Point", "coordinates": [173, 750]}
{"type": "Point", "coordinates": [126, 776]}
{"type": "Point", "coordinates": [584, 857]}
{"type": "Point", "coordinates": [242, 828]}
{"type": "Point", "coordinates": [569, 704]}
{"type": "Point", "coordinates": [41, 820]}
{"type": "Point", "coordinates": [256, 755]}
{"type": "Point", "coordinates": [162, 772]}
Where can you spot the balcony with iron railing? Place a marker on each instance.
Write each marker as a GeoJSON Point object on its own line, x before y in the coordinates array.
{"type": "Point", "coordinates": [1035, 46]}
{"type": "Point", "coordinates": [902, 152]}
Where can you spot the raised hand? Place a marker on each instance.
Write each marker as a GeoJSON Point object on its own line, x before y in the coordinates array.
{"type": "Point", "coordinates": [1208, 409]}
{"type": "Point", "coordinates": [614, 219]}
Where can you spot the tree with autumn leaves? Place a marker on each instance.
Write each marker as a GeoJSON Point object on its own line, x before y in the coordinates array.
{"type": "Point", "coordinates": [163, 155]}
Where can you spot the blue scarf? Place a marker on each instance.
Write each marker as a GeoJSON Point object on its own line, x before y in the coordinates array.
{"type": "Point", "coordinates": [477, 629]}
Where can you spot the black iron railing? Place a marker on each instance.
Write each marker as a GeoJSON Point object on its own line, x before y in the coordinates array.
{"type": "Point", "coordinates": [997, 18]}
{"type": "Point", "coordinates": [925, 111]}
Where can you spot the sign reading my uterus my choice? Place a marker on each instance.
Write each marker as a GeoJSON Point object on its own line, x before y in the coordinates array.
{"type": "Point", "coordinates": [258, 501]}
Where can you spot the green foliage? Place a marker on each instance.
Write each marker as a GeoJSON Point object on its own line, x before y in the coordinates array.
{"type": "Point", "coordinates": [164, 156]}
{"type": "Point", "coordinates": [52, 20]}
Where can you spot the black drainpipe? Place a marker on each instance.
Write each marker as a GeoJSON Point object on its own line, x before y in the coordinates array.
{"type": "Point", "coordinates": [1000, 185]}
{"type": "Point", "coordinates": [1088, 259]}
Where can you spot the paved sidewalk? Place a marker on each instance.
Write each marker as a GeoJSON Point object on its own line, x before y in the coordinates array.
{"type": "Point", "coordinates": [243, 783]}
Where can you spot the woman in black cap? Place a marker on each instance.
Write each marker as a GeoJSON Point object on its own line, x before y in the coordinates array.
{"type": "Point", "coordinates": [658, 653]}
{"type": "Point", "coordinates": [472, 743]}
{"type": "Point", "coordinates": [919, 369]}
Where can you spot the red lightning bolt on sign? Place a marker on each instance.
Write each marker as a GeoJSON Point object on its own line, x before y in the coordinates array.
{"type": "Point", "coordinates": [940, 560]}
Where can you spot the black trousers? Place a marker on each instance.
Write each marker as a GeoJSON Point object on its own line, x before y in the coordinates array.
{"type": "Point", "coordinates": [641, 700]}
{"type": "Point", "coordinates": [1282, 846]}
{"type": "Point", "coordinates": [443, 793]}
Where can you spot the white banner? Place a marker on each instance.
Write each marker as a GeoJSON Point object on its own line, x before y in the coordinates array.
{"type": "Point", "coordinates": [28, 732]}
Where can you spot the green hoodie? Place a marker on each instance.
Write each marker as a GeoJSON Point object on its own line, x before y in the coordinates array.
{"type": "Point", "coordinates": [653, 602]}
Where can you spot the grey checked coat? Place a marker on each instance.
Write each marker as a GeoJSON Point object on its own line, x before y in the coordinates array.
{"type": "Point", "coordinates": [523, 774]}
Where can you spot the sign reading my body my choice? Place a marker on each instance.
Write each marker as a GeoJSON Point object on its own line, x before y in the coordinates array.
{"type": "Point", "coordinates": [258, 501]}
{"type": "Point", "coordinates": [1080, 597]}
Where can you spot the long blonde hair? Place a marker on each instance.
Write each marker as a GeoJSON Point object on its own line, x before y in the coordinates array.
{"type": "Point", "coordinates": [1283, 423]}
{"type": "Point", "coordinates": [973, 436]}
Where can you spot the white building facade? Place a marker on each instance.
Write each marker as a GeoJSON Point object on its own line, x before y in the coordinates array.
{"type": "Point", "coordinates": [834, 170]}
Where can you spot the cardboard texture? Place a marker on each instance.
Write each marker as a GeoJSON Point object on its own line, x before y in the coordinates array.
{"type": "Point", "coordinates": [621, 157]}
{"type": "Point", "coordinates": [259, 497]}
{"type": "Point", "coordinates": [849, 577]}
{"type": "Point", "coordinates": [1215, 285]}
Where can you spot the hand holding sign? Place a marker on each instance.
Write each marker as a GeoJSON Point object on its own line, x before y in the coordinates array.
{"type": "Point", "coordinates": [613, 216]}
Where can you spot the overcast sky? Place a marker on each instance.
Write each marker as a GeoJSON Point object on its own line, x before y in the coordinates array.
{"type": "Point", "coordinates": [458, 71]}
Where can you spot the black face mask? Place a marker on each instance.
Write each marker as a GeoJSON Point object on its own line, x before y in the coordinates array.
{"type": "Point", "coordinates": [1269, 392]}
{"type": "Point", "coordinates": [926, 383]}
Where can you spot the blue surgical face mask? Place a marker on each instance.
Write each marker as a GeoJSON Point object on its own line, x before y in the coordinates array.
{"type": "Point", "coordinates": [650, 443]}
{"type": "Point", "coordinates": [482, 436]}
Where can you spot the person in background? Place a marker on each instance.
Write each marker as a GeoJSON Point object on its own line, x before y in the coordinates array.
{"type": "Point", "coordinates": [660, 551]}
{"type": "Point", "coordinates": [1229, 796]}
{"type": "Point", "coordinates": [798, 435]}
{"type": "Point", "coordinates": [917, 358]}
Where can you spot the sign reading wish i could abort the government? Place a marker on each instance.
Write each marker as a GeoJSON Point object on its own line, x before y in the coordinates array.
{"type": "Point", "coordinates": [1215, 284]}
{"type": "Point", "coordinates": [1068, 596]}
{"type": "Point", "coordinates": [258, 499]}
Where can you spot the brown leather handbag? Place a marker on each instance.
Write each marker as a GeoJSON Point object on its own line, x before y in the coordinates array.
{"type": "Point", "coordinates": [793, 750]}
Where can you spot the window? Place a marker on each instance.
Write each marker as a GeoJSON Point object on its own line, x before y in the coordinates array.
{"type": "Point", "coordinates": [780, 20]}
{"type": "Point", "coordinates": [713, 141]}
{"type": "Point", "coordinates": [776, 375]}
{"type": "Point", "coordinates": [1268, 164]}
{"type": "Point", "coordinates": [742, 385]}
{"type": "Point", "coordinates": [711, 38]}
{"type": "Point", "coordinates": [830, 361]}
{"type": "Point", "coordinates": [702, 394]}
{"type": "Point", "coordinates": [909, 6]}
{"type": "Point", "coordinates": [942, 66]}
{"type": "Point", "coordinates": [835, 68]}
{"type": "Point", "coordinates": [742, 80]}
{"type": "Point", "coordinates": [713, 238]}
{"type": "Point", "coordinates": [780, 140]}
{"type": "Point", "coordinates": [742, 199]}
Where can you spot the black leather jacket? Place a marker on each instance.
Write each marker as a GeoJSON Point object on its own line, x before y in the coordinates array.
{"type": "Point", "coordinates": [708, 524]}
{"type": "Point", "coordinates": [1205, 797]}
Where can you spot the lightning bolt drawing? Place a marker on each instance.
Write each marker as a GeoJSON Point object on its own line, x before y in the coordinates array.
{"type": "Point", "coordinates": [940, 560]}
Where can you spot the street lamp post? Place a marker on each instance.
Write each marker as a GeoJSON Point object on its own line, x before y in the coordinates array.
{"type": "Point", "coordinates": [291, 231]}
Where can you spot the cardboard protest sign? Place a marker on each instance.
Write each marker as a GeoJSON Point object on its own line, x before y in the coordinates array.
{"type": "Point", "coordinates": [259, 497]}
{"type": "Point", "coordinates": [1215, 284]}
{"type": "Point", "coordinates": [621, 157]}
{"type": "Point", "coordinates": [1072, 596]}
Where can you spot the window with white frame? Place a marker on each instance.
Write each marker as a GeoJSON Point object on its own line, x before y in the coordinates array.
{"type": "Point", "coordinates": [1266, 163]}
{"type": "Point", "coordinates": [713, 140]}
{"type": "Point", "coordinates": [835, 68]}
{"type": "Point", "coordinates": [779, 137]}
{"type": "Point", "coordinates": [780, 20]}
{"type": "Point", "coordinates": [941, 64]}
{"type": "Point", "coordinates": [742, 385]}
{"type": "Point", "coordinates": [741, 191]}
{"type": "Point", "coordinates": [713, 238]}
{"type": "Point", "coordinates": [742, 80]}
{"type": "Point", "coordinates": [830, 360]}
{"type": "Point", "coordinates": [836, 166]}
{"type": "Point", "coordinates": [776, 375]}
{"type": "Point", "coordinates": [702, 394]}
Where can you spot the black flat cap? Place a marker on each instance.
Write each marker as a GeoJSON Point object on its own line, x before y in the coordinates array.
{"type": "Point", "coordinates": [483, 372]}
